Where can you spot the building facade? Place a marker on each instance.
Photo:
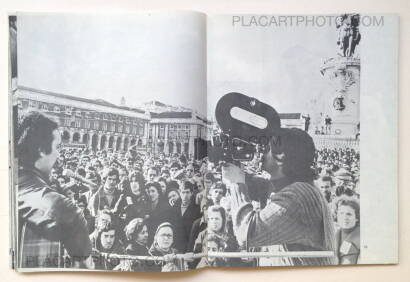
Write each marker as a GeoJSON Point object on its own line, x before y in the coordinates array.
{"type": "Point", "coordinates": [176, 129]}
{"type": "Point", "coordinates": [96, 124]}
{"type": "Point", "coordinates": [100, 125]}
{"type": "Point", "coordinates": [178, 132]}
{"type": "Point", "coordinates": [290, 120]}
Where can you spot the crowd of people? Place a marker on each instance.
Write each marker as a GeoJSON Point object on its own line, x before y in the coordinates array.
{"type": "Point", "coordinates": [137, 211]}
{"type": "Point", "coordinates": [338, 173]}
{"type": "Point", "coordinates": [140, 204]}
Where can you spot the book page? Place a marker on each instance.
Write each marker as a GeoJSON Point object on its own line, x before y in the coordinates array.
{"type": "Point", "coordinates": [108, 112]}
{"type": "Point", "coordinates": [304, 140]}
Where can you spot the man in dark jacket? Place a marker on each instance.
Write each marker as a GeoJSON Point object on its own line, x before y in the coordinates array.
{"type": "Point", "coordinates": [107, 196]}
{"type": "Point", "coordinates": [49, 223]}
{"type": "Point", "coordinates": [187, 212]}
{"type": "Point", "coordinates": [108, 242]}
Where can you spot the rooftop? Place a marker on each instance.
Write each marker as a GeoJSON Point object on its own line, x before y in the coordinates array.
{"type": "Point", "coordinates": [99, 102]}
{"type": "Point", "coordinates": [290, 115]}
{"type": "Point", "coordinates": [172, 115]}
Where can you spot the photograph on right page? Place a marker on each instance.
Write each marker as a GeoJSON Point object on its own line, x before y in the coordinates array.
{"type": "Point", "coordinates": [284, 93]}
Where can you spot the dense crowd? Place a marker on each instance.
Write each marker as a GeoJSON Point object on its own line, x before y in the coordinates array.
{"type": "Point", "coordinates": [141, 204]}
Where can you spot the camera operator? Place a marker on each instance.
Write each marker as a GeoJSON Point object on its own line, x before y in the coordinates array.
{"type": "Point", "coordinates": [297, 215]}
{"type": "Point", "coordinates": [49, 222]}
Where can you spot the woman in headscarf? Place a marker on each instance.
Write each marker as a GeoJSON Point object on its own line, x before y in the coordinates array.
{"type": "Point", "coordinates": [163, 247]}
{"type": "Point", "coordinates": [159, 210]}
{"type": "Point", "coordinates": [163, 183]}
{"type": "Point", "coordinates": [217, 225]}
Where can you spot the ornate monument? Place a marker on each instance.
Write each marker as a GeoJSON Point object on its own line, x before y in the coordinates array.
{"type": "Point", "coordinates": [343, 76]}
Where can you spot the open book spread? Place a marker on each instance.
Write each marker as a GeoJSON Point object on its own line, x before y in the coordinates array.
{"type": "Point", "coordinates": [171, 141]}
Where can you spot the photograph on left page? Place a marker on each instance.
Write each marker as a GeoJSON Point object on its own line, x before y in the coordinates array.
{"type": "Point", "coordinates": [108, 132]}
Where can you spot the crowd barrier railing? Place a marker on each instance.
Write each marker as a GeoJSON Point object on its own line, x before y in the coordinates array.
{"type": "Point", "coordinates": [187, 256]}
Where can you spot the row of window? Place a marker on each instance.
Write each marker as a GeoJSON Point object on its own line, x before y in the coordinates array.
{"type": "Point", "coordinates": [178, 134]}
{"type": "Point", "coordinates": [78, 113]}
{"type": "Point", "coordinates": [105, 126]}
{"type": "Point", "coordinates": [202, 131]}
{"type": "Point", "coordinates": [174, 130]}
{"type": "Point", "coordinates": [137, 127]}
{"type": "Point", "coordinates": [176, 126]}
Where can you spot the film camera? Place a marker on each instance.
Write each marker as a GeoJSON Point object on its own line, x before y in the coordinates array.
{"type": "Point", "coordinates": [246, 127]}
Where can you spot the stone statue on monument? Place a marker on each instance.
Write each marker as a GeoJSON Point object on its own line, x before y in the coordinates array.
{"type": "Point", "coordinates": [349, 35]}
{"type": "Point", "coordinates": [342, 73]}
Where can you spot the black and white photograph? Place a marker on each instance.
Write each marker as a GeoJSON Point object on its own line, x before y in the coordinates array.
{"type": "Point", "coordinates": [295, 195]}
{"type": "Point", "coordinates": [173, 141]}
{"type": "Point", "coordinates": [110, 118]}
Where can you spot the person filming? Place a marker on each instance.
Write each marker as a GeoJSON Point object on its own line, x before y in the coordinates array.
{"type": "Point", "coordinates": [297, 215]}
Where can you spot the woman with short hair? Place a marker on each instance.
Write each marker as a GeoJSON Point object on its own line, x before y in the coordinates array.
{"type": "Point", "coordinates": [347, 215]}
{"type": "Point", "coordinates": [213, 244]}
{"type": "Point", "coordinates": [136, 233]}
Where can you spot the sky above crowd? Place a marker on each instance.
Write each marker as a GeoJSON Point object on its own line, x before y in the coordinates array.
{"type": "Point", "coordinates": [141, 57]}
{"type": "Point", "coordinates": [279, 65]}
{"type": "Point", "coordinates": [163, 57]}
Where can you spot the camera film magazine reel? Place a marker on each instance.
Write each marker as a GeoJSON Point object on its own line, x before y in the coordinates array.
{"type": "Point", "coordinates": [246, 124]}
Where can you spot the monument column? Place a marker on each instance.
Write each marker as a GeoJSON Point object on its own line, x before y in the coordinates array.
{"type": "Point", "coordinates": [342, 73]}
{"type": "Point", "coordinates": [114, 143]}
{"type": "Point", "coordinates": [122, 142]}
{"type": "Point", "coordinates": [166, 139]}
{"type": "Point", "coordinates": [174, 147]}
{"type": "Point", "coordinates": [99, 141]}
{"type": "Point", "coordinates": [90, 138]}
{"type": "Point", "coordinates": [146, 133]}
